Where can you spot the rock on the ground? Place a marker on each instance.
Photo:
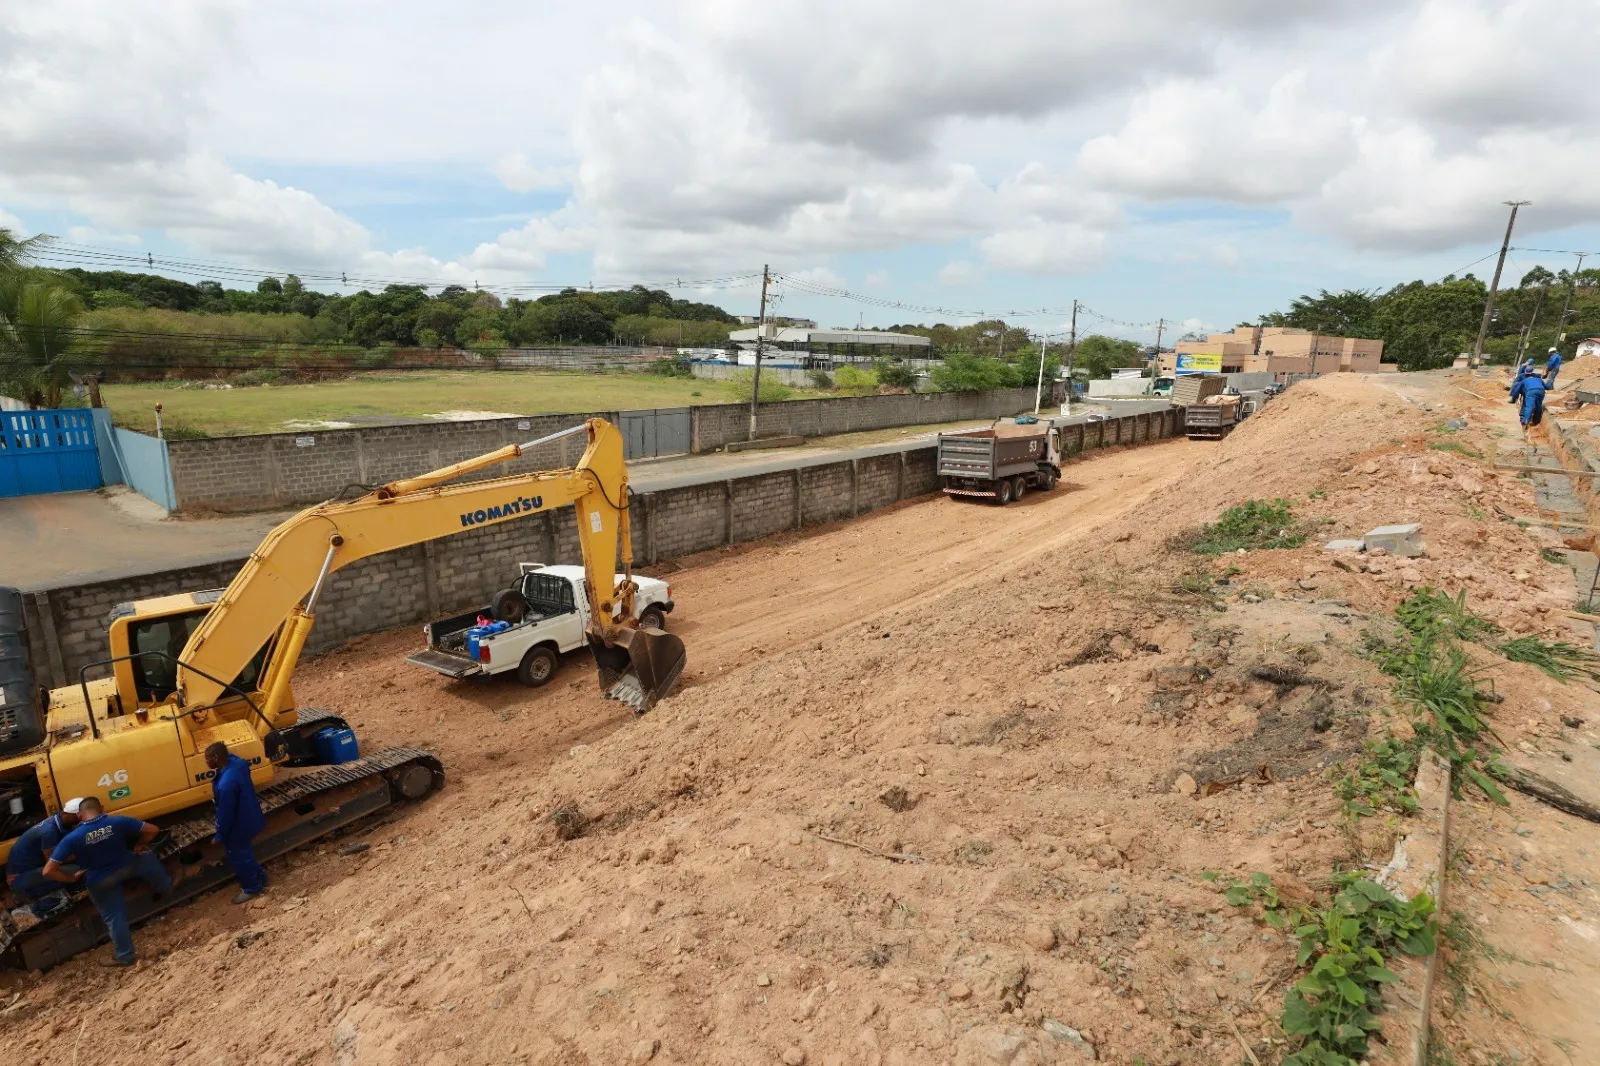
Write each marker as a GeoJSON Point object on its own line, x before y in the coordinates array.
{"type": "Point", "coordinates": [1185, 785]}
{"type": "Point", "coordinates": [1403, 540]}
{"type": "Point", "coordinates": [1069, 1036]}
{"type": "Point", "coordinates": [1039, 935]}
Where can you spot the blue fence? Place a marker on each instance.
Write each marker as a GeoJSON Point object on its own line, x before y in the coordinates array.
{"type": "Point", "coordinates": [145, 468]}
{"type": "Point", "coordinates": [47, 451]}
{"type": "Point", "coordinates": [135, 460]}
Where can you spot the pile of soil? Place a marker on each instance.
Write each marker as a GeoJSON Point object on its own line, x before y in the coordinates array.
{"type": "Point", "coordinates": [942, 789]}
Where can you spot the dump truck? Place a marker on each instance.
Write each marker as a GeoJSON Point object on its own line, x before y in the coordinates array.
{"type": "Point", "coordinates": [1001, 462]}
{"type": "Point", "coordinates": [1212, 418]}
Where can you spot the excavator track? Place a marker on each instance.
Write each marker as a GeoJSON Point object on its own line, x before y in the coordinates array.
{"type": "Point", "coordinates": [298, 810]}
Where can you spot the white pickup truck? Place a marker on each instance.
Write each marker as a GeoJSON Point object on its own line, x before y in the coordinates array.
{"type": "Point", "coordinates": [545, 614]}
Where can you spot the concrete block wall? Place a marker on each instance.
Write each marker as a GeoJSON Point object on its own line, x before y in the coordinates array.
{"type": "Point", "coordinates": [67, 625]}
{"type": "Point", "coordinates": [269, 470]}
{"type": "Point", "coordinates": [280, 470]}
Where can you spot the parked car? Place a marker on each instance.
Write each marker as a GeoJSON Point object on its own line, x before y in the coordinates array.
{"type": "Point", "coordinates": [529, 626]}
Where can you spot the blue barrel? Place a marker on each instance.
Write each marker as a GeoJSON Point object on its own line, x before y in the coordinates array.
{"type": "Point", "coordinates": [337, 746]}
{"type": "Point", "coordinates": [473, 636]}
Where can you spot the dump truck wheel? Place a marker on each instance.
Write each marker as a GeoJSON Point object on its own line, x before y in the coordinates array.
{"type": "Point", "coordinates": [1047, 480]}
{"type": "Point", "coordinates": [1002, 493]}
{"type": "Point", "coordinates": [538, 666]}
{"type": "Point", "coordinates": [1019, 487]}
{"type": "Point", "coordinates": [653, 618]}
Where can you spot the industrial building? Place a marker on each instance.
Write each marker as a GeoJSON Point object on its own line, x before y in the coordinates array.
{"type": "Point", "coordinates": [811, 347]}
{"type": "Point", "coordinates": [1278, 350]}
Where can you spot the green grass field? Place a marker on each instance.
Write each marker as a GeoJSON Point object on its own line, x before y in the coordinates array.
{"type": "Point", "coordinates": [388, 396]}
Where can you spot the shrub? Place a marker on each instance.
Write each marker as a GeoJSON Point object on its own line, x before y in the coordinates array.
{"type": "Point", "coordinates": [894, 373]}
{"type": "Point", "coordinates": [264, 375]}
{"type": "Point", "coordinates": [855, 381]}
{"type": "Point", "coordinates": [1254, 524]}
{"type": "Point", "coordinates": [971, 373]}
{"type": "Point", "coordinates": [820, 379]}
{"type": "Point", "coordinates": [772, 390]}
{"type": "Point", "coordinates": [677, 366]}
{"type": "Point", "coordinates": [376, 358]}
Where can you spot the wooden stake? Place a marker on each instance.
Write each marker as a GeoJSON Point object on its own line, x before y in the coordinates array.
{"type": "Point", "coordinates": [1548, 470]}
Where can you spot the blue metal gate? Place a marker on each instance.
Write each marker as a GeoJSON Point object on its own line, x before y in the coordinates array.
{"type": "Point", "coordinates": [47, 451]}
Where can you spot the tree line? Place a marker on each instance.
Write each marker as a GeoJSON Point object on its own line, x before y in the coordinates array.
{"type": "Point", "coordinates": [409, 316]}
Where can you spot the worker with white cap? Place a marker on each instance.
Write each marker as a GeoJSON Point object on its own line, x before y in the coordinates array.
{"type": "Point", "coordinates": [39, 895]}
{"type": "Point", "coordinates": [1552, 367]}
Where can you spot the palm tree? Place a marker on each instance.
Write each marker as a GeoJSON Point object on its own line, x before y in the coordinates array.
{"type": "Point", "coordinates": [37, 316]}
{"type": "Point", "coordinates": [37, 336]}
{"type": "Point", "coordinates": [15, 253]}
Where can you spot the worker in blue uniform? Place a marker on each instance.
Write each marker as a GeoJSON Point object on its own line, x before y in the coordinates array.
{"type": "Point", "coordinates": [109, 850]}
{"type": "Point", "coordinates": [39, 896]}
{"type": "Point", "coordinates": [1530, 390]}
{"type": "Point", "coordinates": [1552, 367]}
{"type": "Point", "coordinates": [239, 818]}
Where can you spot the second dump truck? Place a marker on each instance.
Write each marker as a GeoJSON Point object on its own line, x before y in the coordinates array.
{"type": "Point", "coordinates": [1001, 462]}
{"type": "Point", "coordinates": [1212, 418]}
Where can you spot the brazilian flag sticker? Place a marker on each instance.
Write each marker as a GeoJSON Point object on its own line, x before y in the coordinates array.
{"type": "Point", "coordinates": [119, 793]}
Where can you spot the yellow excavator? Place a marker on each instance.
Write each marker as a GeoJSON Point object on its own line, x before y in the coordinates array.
{"type": "Point", "coordinates": [192, 669]}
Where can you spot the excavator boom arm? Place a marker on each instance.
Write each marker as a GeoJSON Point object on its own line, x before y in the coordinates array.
{"type": "Point", "coordinates": [275, 582]}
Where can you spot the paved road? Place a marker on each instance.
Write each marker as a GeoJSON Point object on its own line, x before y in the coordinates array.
{"type": "Point", "coordinates": [67, 538]}
{"type": "Point", "coordinates": [70, 538]}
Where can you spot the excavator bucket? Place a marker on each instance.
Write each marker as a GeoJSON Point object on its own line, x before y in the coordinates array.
{"type": "Point", "coordinates": [641, 667]}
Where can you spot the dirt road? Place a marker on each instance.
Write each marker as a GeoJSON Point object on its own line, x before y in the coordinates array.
{"type": "Point", "coordinates": [783, 592]}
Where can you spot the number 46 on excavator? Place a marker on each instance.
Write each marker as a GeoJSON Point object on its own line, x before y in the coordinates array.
{"type": "Point", "coordinates": [192, 669]}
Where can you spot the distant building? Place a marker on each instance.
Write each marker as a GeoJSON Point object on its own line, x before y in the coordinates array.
{"type": "Point", "coordinates": [809, 346]}
{"type": "Point", "coordinates": [1280, 350]}
{"type": "Point", "coordinates": [779, 320]}
{"type": "Point", "coordinates": [1589, 346]}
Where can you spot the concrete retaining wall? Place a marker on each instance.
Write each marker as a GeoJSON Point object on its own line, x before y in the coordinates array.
{"type": "Point", "coordinates": [67, 625]}
{"type": "Point", "coordinates": [274, 470]}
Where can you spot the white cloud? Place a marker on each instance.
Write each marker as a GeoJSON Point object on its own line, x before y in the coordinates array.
{"type": "Point", "coordinates": [519, 175]}
{"type": "Point", "coordinates": [91, 235]}
{"type": "Point", "coordinates": [1211, 140]}
{"type": "Point", "coordinates": [1046, 248]}
{"type": "Point", "coordinates": [959, 272]}
{"type": "Point", "coordinates": [877, 279]}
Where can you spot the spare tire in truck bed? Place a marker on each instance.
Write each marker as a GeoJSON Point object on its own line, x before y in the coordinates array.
{"type": "Point", "coordinates": [21, 717]}
{"type": "Point", "coordinates": [508, 605]}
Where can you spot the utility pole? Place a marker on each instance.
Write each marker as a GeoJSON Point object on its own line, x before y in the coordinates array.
{"type": "Point", "coordinates": [1072, 351]}
{"type": "Point", "coordinates": [761, 329]}
{"type": "Point", "coordinates": [1566, 304]}
{"type": "Point", "coordinates": [1316, 338]}
{"type": "Point", "coordinates": [1038, 389]}
{"type": "Point", "coordinates": [1161, 326]}
{"type": "Point", "coordinates": [1494, 286]}
{"type": "Point", "coordinates": [1527, 331]}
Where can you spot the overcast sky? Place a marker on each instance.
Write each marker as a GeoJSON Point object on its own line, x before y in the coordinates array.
{"type": "Point", "coordinates": [1198, 160]}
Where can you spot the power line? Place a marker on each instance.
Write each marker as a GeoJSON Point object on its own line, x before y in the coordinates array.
{"type": "Point", "coordinates": [108, 258]}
